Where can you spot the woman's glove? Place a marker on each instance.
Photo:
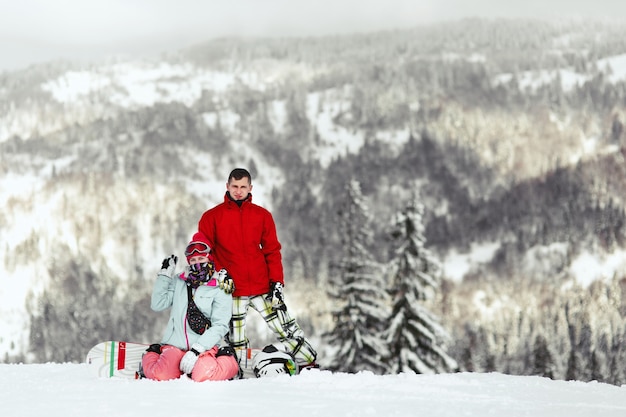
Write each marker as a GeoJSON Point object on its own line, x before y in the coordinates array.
{"type": "Point", "coordinates": [190, 358]}
{"type": "Point", "coordinates": [168, 266]}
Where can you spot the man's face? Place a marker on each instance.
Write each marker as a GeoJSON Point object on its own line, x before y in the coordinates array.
{"type": "Point", "coordinates": [239, 189]}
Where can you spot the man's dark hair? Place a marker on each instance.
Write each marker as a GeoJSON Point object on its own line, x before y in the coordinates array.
{"type": "Point", "coordinates": [239, 173]}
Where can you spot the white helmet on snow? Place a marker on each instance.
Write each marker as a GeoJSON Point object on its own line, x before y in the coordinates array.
{"type": "Point", "coordinates": [273, 360]}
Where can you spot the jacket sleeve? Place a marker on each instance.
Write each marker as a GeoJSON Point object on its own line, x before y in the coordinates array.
{"type": "Point", "coordinates": [162, 293]}
{"type": "Point", "coordinates": [206, 226]}
{"type": "Point", "coordinates": [271, 249]}
{"type": "Point", "coordinates": [221, 313]}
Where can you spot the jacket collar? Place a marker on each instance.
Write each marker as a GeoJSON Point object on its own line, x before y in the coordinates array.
{"type": "Point", "coordinates": [230, 200]}
{"type": "Point", "coordinates": [210, 283]}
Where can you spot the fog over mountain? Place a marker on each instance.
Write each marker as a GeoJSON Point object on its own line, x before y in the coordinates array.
{"type": "Point", "coordinates": [36, 31]}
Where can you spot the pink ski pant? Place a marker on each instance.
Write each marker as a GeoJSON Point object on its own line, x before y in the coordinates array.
{"type": "Point", "coordinates": [208, 368]}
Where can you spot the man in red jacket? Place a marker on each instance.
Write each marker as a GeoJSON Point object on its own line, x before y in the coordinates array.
{"type": "Point", "coordinates": [244, 241]}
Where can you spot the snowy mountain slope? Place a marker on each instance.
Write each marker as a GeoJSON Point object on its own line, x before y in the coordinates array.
{"type": "Point", "coordinates": [568, 77]}
{"type": "Point", "coordinates": [85, 95]}
{"type": "Point", "coordinates": [114, 163]}
{"type": "Point", "coordinates": [69, 390]}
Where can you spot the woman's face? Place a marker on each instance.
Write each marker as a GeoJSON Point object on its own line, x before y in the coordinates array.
{"type": "Point", "coordinates": [198, 259]}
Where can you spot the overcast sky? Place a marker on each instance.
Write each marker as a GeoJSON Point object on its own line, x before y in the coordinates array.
{"type": "Point", "coordinates": [40, 30]}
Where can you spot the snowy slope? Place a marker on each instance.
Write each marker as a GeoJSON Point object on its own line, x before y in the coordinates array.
{"type": "Point", "coordinates": [69, 390]}
{"type": "Point", "coordinates": [136, 85]}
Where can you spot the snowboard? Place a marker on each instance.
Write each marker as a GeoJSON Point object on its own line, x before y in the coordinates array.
{"type": "Point", "coordinates": [121, 359]}
{"type": "Point", "coordinates": [245, 356]}
{"type": "Point", "coordinates": [116, 359]}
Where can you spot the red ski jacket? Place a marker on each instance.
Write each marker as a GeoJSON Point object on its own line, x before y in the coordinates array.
{"type": "Point", "coordinates": [244, 241]}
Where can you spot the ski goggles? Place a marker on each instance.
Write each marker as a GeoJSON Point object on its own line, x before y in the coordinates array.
{"type": "Point", "coordinates": [200, 248]}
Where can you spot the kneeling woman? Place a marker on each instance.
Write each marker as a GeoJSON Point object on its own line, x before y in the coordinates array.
{"type": "Point", "coordinates": [201, 307]}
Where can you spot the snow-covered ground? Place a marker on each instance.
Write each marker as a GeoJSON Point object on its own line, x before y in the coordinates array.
{"type": "Point", "coordinates": [585, 268]}
{"type": "Point", "coordinates": [614, 65]}
{"type": "Point", "coordinates": [70, 390]}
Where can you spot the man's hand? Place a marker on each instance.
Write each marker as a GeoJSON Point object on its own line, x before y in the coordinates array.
{"type": "Point", "coordinates": [190, 358]}
{"type": "Point", "coordinates": [168, 266]}
{"type": "Point", "coordinates": [224, 281]}
{"type": "Point", "coordinates": [276, 296]}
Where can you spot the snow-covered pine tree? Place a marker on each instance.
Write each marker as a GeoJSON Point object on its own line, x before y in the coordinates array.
{"type": "Point", "coordinates": [543, 362]}
{"type": "Point", "coordinates": [415, 337]}
{"type": "Point", "coordinates": [358, 293]}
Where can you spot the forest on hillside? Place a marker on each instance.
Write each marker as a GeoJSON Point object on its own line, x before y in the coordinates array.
{"type": "Point", "coordinates": [488, 151]}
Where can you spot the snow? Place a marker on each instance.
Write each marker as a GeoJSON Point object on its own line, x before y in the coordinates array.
{"type": "Point", "coordinates": [71, 390]}
{"type": "Point", "coordinates": [139, 84]}
{"type": "Point", "coordinates": [569, 78]}
{"type": "Point", "coordinates": [585, 268]}
{"type": "Point", "coordinates": [617, 65]}
{"type": "Point", "coordinates": [228, 120]}
{"type": "Point", "coordinates": [456, 265]}
{"type": "Point", "coordinates": [588, 267]}
{"type": "Point", "coordinates": [334, 139]}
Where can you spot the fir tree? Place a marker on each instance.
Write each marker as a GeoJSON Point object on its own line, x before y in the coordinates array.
{"type": "Point", "coordinates": [415, 336]}
{"type": "Point", "coordinates": [543, 361]}
{"type": "Point", "coordinates": [595, 365]}
{"type": "Point", "coordinates": [573, 366]}
{"type": "Point", "coordinates": [359, 293]}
